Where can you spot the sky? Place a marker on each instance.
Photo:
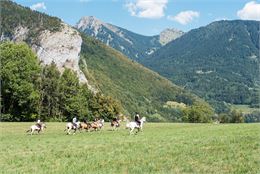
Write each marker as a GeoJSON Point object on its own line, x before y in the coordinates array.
{"type": "Point", "coordinates": [149, 17]}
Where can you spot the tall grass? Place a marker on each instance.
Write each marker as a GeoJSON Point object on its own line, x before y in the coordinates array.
{"type": "Point", "coordinates": [160, 148]}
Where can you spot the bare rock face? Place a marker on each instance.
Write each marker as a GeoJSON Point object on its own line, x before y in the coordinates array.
{"type": "Point", "coordinates": [95, 25]}
{"type": "Point", "coordinates": [20, 34]}
{"type": "Point", "coordinates": [90, 22]}
{"type": "Point", "coordinates": [62, 47]}
{"type": "Point", "coordinates": [169, 35]}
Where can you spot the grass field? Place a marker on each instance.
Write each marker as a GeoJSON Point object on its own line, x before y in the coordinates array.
{"type": "Point", "coordinates": [244, 108]}
{"type": "Point", "coordinates": [160, 148]}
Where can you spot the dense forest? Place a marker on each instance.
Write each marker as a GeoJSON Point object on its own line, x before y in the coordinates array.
{"type": "Point", "coordinates": [219, 62]}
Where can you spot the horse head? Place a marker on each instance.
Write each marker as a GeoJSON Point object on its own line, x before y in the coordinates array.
{"type": "Point", "coordinates": [44, 125]}
{"type": "Point", "coordinates": [143, 119]}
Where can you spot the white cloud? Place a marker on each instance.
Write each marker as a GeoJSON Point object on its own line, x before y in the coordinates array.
{"type": "Point", "coordinates": [152, 9]}
{"type": "Point", "coordinates": [39, 5]}
{"type": "Point", "coordinates": [251, 11]}
{"type": "Point", "coordinates": [184, 17]}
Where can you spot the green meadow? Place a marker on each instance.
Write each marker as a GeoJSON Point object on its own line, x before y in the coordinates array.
{"type": "Point", "coordinates": [244, 108]}
{"type": "Point", "coordinates": [160, 148]}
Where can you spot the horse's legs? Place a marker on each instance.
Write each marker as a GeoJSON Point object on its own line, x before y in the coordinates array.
{"type": "Point", "coordinates": [131, 130]}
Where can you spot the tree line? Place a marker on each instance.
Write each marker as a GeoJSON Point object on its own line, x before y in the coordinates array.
{"type": "Point", "coordinates": [30, 91]}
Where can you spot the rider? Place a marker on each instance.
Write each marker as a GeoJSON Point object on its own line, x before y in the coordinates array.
{"type": "Point", "coordinates": [74, 122]}
{"type": "Point", "coordinates": [85, 120]}
{"type": "Point", "coordinates": [39, 124]}
{"type": "Point", "coordinates": [137, 119]}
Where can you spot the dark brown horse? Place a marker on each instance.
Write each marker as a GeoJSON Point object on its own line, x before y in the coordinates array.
{"type": "Point", "coordinates": [115, 124]}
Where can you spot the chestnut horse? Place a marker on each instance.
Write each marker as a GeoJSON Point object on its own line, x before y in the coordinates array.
{"type": "Point", "coordinates": [86, 126]}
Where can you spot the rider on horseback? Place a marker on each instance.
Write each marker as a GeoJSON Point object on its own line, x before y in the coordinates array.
{"type": "Point", "coordinates": [137, 119]}
{"type": "Point", "coordinates": [39, 124]}
{"type": "Point", "coordinates": [74, 122]}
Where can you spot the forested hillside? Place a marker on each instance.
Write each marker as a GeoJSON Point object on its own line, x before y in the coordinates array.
{"type": "Point", "coordinates": [219, 62]}
{"type": "Point", "coordinates": [13, 16]}
{"type": "Point", "coordinates": [138, 88]}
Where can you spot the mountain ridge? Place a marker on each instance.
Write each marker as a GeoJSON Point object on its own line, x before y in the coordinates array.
{"type": "Point", "coordinates": [133, 45]}
{"type": "Point", "coordinates": [218, 61]}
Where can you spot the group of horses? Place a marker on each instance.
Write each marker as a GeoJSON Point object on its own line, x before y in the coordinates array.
{"type": "Point", "coordinates": [88, 126]}
{"type": "Point", "coordinates": [96, 125]}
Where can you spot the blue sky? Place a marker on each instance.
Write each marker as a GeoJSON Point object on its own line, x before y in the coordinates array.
{"type": "Point", "coordinates": [149, 17]}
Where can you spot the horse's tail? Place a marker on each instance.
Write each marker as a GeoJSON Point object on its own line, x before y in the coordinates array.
{"type": "Point", "coordinates": [28, 130]}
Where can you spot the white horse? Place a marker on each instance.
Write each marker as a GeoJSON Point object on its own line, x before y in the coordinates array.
{"type": "Point", "coordinates": [70, 127]}
{"type": "Point", "coordinates": [34, 128]}
{"type": "Point", "coordinates": [133, 125]}
{"type": "Point", "coordinates": [101, 123]}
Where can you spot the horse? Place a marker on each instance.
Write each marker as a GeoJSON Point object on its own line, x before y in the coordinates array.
{"type": "Point", "coordinates": [70, 126]}
{"type": "Point", "coordinates": [133, 125]}
{"type": "Point", "coordinates": [86, 126]}
{"type": "Point", "coordinates": [34, 128]}
{"type": "Point", "coordinates": [98, 125]}
{"type": "Point", "coordinates": [115, 124]}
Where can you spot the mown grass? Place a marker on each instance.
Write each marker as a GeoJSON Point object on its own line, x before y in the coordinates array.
{"type": "Point", "coordinates": [160, 148]}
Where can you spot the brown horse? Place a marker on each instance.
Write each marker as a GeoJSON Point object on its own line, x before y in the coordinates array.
{"type": "Point", "coordinates": [97, 125]}
{"type": "Point", "coordinates": [115, 124]}
{"type": "Point", "coordinates": [86, 126]}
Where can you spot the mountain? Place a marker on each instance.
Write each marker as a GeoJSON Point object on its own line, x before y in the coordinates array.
{"type": "Point", "coordinates": [218, 62]}
{"type": "Point", "coordinates": [168, 35]}
{"type": "Point", "coordinates": [104, 69]}
{"type": "Point", "coordinates": [134, 46]}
